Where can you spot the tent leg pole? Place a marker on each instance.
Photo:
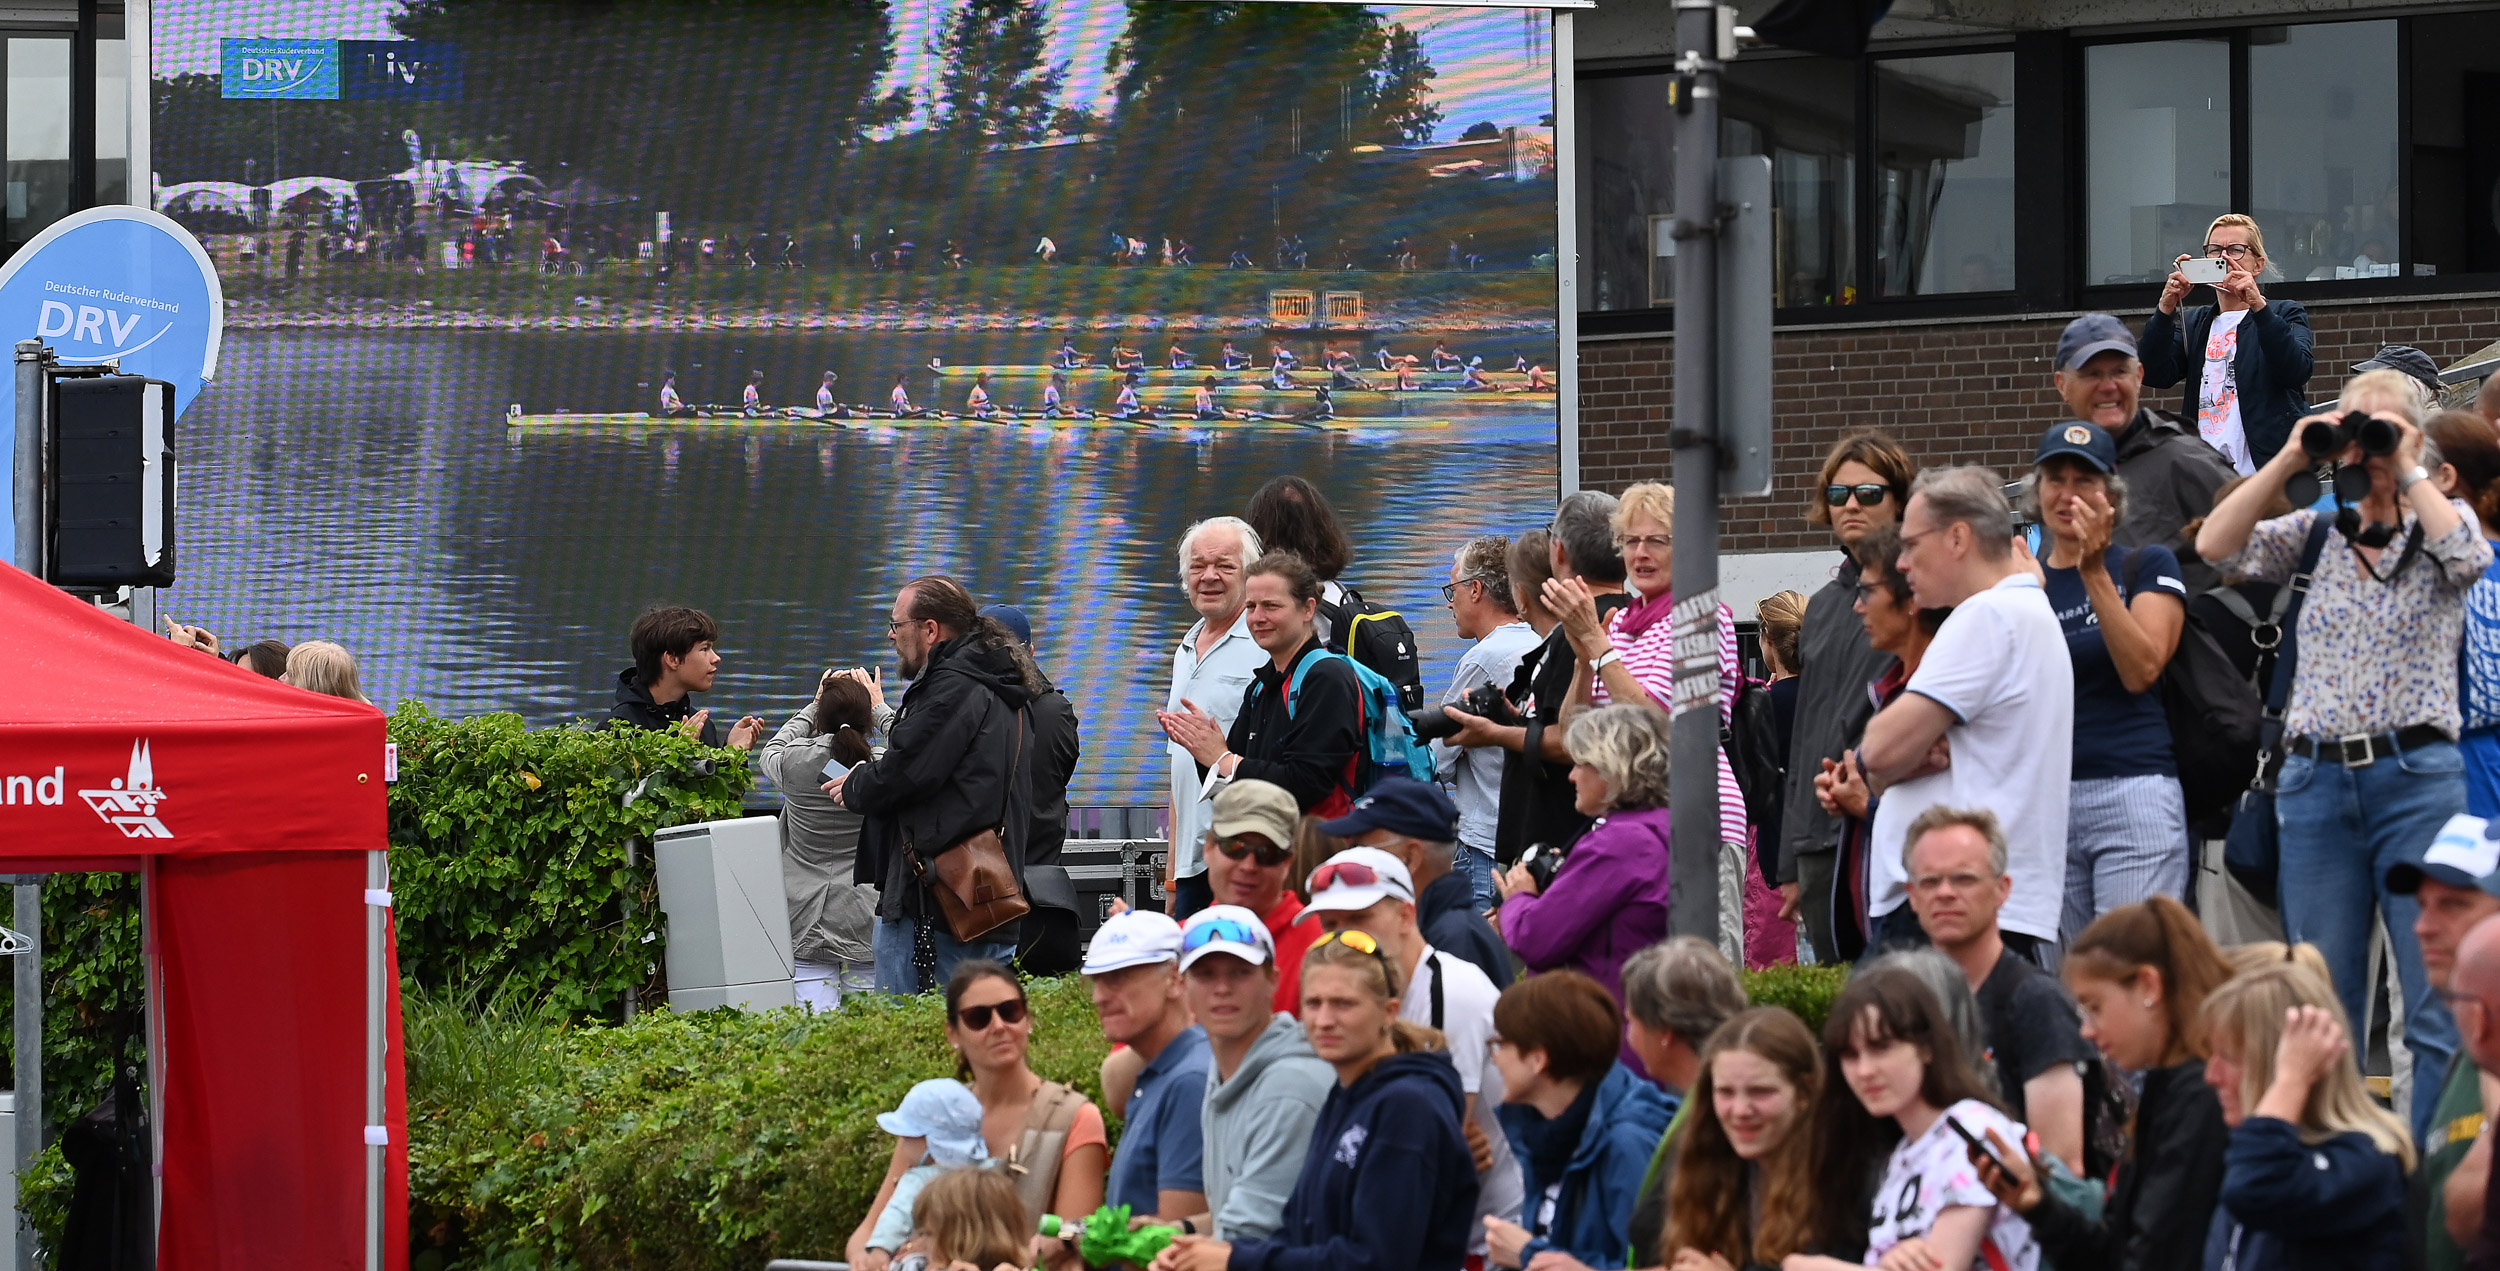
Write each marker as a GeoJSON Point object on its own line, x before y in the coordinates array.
{"type": "Point", "coordinates": [29, 1053]}
{"type": "Point", "coordinates": [151, 998]}
{"type": "Point", "coordinates": [377, 879]}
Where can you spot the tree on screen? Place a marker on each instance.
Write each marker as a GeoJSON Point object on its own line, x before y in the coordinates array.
{"type": "Point", "coordinates": [1404, 106]}
{"type": "Point", "coordinates": [995, 81]}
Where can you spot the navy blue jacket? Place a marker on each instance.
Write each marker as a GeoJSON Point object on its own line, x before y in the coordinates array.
{"type": "Point", "coordinates": [1593, 1213]}
{"type": "Point", "coordinates": [1388, 1184]}
{"type": "Point", "coordinates": [2293, 1206]}
{"type": "Point", "coordinates": [2273, 367]}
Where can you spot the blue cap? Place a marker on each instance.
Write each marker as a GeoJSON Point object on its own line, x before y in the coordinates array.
{"type": "Point", "coordinates": [2088, 442]}
{"type": "Point", "coordinates": [2466, 854]}
{"type": "Point", "coordinates": [946, 1113]}
{"type": "Point", "coordinates": [2405, 358]}
{"type": "Point", "coordinates": [1403, 806]}
{"type": "Point", "coordinates": [2092, 334]}
{"type": "Point", "coordinates": [1013, 619]}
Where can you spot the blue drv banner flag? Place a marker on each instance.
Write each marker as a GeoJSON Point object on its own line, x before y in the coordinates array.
{"type": "Point", "coordinates": [297, 70]}
{"type": "Point", "coordinates": [399, 70]}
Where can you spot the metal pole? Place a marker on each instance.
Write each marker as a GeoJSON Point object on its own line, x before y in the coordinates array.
{"type": "Point", "coordinates": [1694, 770]}
{"type": "Point", "coordinates": [82, 108]}
{"type": "Point", "coordinates": [1567, 253]}
{"type": "Point", "coordinates": [377, 1042]}
{"type": "Point", "coordinates": [27, 490]}
{"type": "Point", "coordinates": [29, 1053]}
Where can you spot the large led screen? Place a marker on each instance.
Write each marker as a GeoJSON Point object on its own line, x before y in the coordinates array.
{"type": "Point", "coordinates": [542, 313]}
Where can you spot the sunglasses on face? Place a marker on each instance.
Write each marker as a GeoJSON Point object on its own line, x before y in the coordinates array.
{"type": "Point", "coordinates": [1267, 853]}
{"type": "Point", "coordinates": [1868, 496]}
{"type": "Point", "coordinates": [977, 1018]}
{"type": "Point", "coordinates": [1222, 931]}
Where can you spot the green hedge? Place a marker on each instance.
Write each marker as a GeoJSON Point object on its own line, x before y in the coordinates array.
{"type": "Point", "coordinates": [508, 869]}
{"type": "Point", "coordinates": [712, 1140]}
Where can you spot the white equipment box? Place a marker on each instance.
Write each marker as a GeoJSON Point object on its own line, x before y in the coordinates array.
{"type": "Point", "coordinates": [728, 922]}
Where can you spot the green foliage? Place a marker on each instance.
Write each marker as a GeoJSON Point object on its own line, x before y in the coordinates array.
{"type": "Point", "coordinates": [45, 1189]}
{"type": "Point", "coordinates": [508, 864]}
{"type": "Point", "coordinates": [92, 990]}
{"type": "Point", "coordinates": [1807, 991]}
{"type": "Point", "coordinates": [718, 1139]}
{"type": "Point", "coordinates": [995, 80]}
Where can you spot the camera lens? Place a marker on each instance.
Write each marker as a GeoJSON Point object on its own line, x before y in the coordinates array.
{"type": "Point", "coordinates": [1432, 724]}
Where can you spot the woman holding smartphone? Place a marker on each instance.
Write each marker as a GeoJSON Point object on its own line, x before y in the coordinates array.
{"type": "Point", "coordinates": [2246, 358]}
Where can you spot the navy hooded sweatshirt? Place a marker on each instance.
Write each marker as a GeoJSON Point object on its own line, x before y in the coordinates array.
{"type": "Point", "coordinates": [1388, 1184]}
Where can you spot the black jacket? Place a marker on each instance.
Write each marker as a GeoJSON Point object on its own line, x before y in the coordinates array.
{"type": "Point", "coordinates": [955, 764]}
{"type": "Point", "coordinates": [2171, 476]}
{"type": "Point", "coordinates": [1446, 914]}
{"type": "Point", "coordinates": [634, 707]}
{"type": "Point", "coordinates": [1387, 1184]}
{"type": "Point", "coordinates": [2272, 369]}
{"type": "Point", "coordinates": [2162, 1202]}
{"type": "Point", "coordinates": [1053, 721]}
{"type": "Point", "coordinates": [1538, 804]}
{"type": "Point", "coordinates": [1305, 745]}
{"type": "Point", "coordinates": [1836, 665]}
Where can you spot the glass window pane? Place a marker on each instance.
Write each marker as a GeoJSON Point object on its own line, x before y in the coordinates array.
{"type": "Point", "coordinates": [1803, 113]}
{"type": "Point", "coordinates": [2456, 143]}
{"type": "Point", "coordinates": [2158, 151]}
{"type": "Point", "coordinates": [1627, 165]}
{"type": "Point", "coordinates": [1944, 184]}
{"type": "Point", "coordinates": [38, 133]}
{"type": "Point", "coordinates": [112, 121]}
{"type": "Point", "coordinates": [2322, 149]}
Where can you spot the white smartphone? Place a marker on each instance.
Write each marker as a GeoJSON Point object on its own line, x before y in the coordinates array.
{"type": "Point", "coordinates": [2206, 269]}
{"type": "Point", "coordinates": [835, 769]}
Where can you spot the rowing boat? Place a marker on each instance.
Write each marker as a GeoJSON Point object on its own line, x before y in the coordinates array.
{"type": "Point", "coordinates": [627, 421]}
{"type": "Point", "coordinates": [1164, 375]}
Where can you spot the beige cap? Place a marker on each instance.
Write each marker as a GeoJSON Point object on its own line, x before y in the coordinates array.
{"type": "Point", "coordinates": [1256, 807]}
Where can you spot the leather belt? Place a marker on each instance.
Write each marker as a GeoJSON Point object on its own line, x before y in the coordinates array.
{"type": "Point", "coordinates": [2360, 750]}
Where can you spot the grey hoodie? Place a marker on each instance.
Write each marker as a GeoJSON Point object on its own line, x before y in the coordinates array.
{"type": "Point", "coordinates": [1258, 1128]}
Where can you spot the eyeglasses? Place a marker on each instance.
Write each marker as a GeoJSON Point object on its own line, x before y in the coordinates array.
{"type": "Point", "coordinates": [1351, 873]}
{"type": "Point", "coordinates": [1652, 542]}
{"type": "Point", "coordinates": [1930, 884]}
{"type": "Point", "coordinates": [1868, 496]}
{"type": "Point", "coordinates": [1222, 931]}
{"type": "Point", "coordinates": [977, 1018]}
{"type": "Point", "coordinates": [1268, 853]}
{"type": "Point", "coordinates": [1449, 590]}
{"type": "Point", "coordinates": [2236, 251]}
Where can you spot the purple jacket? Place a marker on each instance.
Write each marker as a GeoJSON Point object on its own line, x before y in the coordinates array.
{"type": "Point", "coordinates": [1608, 902]}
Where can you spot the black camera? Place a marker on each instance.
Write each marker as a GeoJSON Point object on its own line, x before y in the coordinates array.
{"type": "Point", "coordinates": [1432, 723]}
{"type": "Point", "coordinates": [1542, 859]}
{"type": "Point", "coordinates": [2325, 439]}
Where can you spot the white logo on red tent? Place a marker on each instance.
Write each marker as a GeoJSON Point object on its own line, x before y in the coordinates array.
{"type": "Point", "coordinates": [129, 804]}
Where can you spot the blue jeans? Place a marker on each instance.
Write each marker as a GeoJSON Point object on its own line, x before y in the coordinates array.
{"type": "Point", "coordinates": [2342, 829]}
{"type": "Point", "coordinates": [893, 948]}
{"type": "Point", "coordinates": [1477, 864]}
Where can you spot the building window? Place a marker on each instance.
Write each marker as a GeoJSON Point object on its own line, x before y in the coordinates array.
{"type": "Point", "coordinates": [2157, 145]}
{"type": "Point", "coordinates": [1627, 166]}
{"type": "Point", "coordinates": [2322, 146]}
{"type": "Point", "coordinates": [1802, 112]}
{"type": "Point", "coordinates": [2455, 85]}
{"type": "Point", "coordinates": [1944, 181]}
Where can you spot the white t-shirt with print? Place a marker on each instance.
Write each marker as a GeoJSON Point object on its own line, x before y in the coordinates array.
{"type": "Point", "coordinates": [2218, 394]}
{"type": "Point", "coordinates": [2000, 665]}
{"type": "Point", "coordinates": [1467, 997]}
{"type": "Point", "coordinates": [1932, 1173]}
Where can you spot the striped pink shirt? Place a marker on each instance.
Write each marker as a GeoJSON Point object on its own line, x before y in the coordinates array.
{"type": "Point", "coordinates": [1651, 660]}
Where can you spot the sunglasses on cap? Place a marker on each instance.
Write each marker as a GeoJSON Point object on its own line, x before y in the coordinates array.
{"type": "Point", "coordinates": [1868, 496]}
{"type": "Point", "coordinates": [1351, 873]}
{"type": "Point", "coordinates": [1268, 853]}
{"type": "Point", "coordinates": [977, 1018]}
{"type": "Point", "coordinates": [1221, 931]}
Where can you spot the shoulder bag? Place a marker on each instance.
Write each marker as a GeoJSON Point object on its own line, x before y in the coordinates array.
{"type": "Point", "coordinates": [2253, 850]}
{"type": "Point", "coordinates": [974, 881]}
{"type": "Point", "coordinates": [1033, 1163]}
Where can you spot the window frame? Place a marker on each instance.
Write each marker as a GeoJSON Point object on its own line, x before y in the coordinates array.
{"type": "Point", "coordinates": [2050, 258]}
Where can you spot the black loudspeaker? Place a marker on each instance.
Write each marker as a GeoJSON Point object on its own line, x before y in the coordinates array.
{"type": "Point", "coordinates": [113, 500]}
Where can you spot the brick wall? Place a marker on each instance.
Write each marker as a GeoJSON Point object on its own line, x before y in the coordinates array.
{"type": "Point", "coordinates": [1960, 392]}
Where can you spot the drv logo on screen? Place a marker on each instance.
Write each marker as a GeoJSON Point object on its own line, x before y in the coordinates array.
{"type": "Point", "coordinates": [92, 324]}
{"type": "Point", "coordinates": [278, 74]}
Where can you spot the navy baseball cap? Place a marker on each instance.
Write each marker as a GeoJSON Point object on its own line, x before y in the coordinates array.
{"type": "Point", "coordinates": [2466, 854]}
{"type": "Point", "coordinates": [1013, 619]}
{"type": "Point", "coordinates": [1403, 806]}
{"type": "Point", "coordinates": [2088, 442]}
{"type": "Point", "coordinates": [2092, 334]}
{"type": "Point", "coordinates": [2405, 358]}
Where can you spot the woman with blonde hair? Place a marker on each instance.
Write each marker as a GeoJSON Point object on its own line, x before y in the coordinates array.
{"type": "Point", "coordinates": [2315, 1172]}
{"type": "Point", "coordinates": [318, 666]}
{"type": "Point", "coordinates": [2246, 358]}
{"type": "Point", "coordinates": [1743, 1192]}
{"type": "Point", "coordinates": [1388, 1184]}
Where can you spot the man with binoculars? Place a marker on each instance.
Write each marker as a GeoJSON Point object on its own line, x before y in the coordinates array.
{"type": "Point", "coordinates": [2370, 766]}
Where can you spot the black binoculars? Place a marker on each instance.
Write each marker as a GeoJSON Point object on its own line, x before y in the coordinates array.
{"type": "Point", "coordinates": [2324, 438]}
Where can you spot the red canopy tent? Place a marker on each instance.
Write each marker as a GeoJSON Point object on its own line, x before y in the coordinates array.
{"type": "Point", "coordinates": [255, 814]}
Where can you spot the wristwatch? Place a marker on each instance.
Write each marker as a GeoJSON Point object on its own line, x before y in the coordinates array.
{"type": "Point", "coordinates": [2405, 483]}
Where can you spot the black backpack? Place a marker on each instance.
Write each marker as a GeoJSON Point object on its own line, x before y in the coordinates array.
{"type": "Point", "coordinates": [1751, 740]}
{"type": "Point", "coordinates": [2213, 715]}
{"type": "Point", "coordinates": [1377, 638]}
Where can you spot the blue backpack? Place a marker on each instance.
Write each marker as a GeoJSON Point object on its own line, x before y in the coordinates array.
{"type": "Point", "coordinates": [1390, 747]}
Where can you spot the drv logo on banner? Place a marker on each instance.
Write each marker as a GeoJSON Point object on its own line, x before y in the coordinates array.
{"type": "Point", "coordinates": [335, 70]}
{"type": "Point", "coordinates": [110, 284]}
